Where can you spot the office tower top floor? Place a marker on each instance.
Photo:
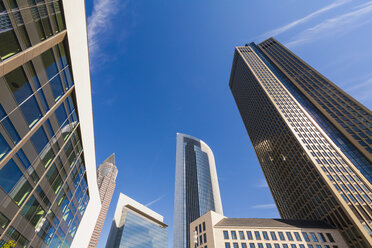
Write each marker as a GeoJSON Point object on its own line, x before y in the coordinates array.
{"type": "Point", "coordinates": [47, 158]}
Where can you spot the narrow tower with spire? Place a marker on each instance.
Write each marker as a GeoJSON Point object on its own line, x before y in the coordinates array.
{"type": "Point", "coordinates": [106, 177]}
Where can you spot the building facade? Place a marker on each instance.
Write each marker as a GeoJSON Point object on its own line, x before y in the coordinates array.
{"type": "Point", "coordinates": [213, 230]}
{"type": "Point", "coordinates": [196, 186]}
{"type": "Point", "coordinates": [106, 180]}
{"type": "Point", "coordinates": [309, 174]}
{"type": "Point", "coordinates": [136, 226]}
{"type": "Point", "coordinates": [48, 183]}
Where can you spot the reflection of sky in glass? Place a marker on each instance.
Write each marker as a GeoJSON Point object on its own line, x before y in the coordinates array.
{"type": "Point", "coordinates": [206, 201]}
{"type": "Point", "coordinates": [141, 233]}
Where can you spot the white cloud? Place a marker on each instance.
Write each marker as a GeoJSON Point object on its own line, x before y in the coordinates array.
{"type": "Point", "coordinates": [335, 25]}
{"type": "Point", "coordinates": [155, 201]}
{"type": "Point", "coordinates": [264, 206]}
{"type": "Point", "coordinates": [99, 21]}
{"type": "Point", "coordinates": [291, 25]}
{"type": "Point", "coordinates": [262, 184]}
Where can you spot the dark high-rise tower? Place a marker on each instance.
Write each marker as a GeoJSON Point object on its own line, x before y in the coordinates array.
{"type": "Point", "coordinates": [313, 170]}
{"type": "Point", "coordinates": [106, 177]}
{"type": "Point", "coordinates": [196, 190]}
{"type": "Point", "coordinates": [338, 110]}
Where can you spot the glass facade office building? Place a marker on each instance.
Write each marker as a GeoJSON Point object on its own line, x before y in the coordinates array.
{"type": "Point", "coordinates": [136, 226]}
{"type": "Point", "coordinates": [310, 175]}
{"type": "Point", "coordinates": [44, 189]}
{"type": "Point", "coordinates": [196, 186]}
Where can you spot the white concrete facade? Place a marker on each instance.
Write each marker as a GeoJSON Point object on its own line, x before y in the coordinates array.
{"type": "Point", "coordinates": [210, 229]}
{"type": "Point", "coordinates": [76, 26]}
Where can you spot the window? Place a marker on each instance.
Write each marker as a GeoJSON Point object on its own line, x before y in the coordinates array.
{"type": "Point", "coordinates": [306, 237]}
{"type": "Point", "coordinates": [24, 160]}
{"type": "Point", "coordinates": [268, 245]}
{"type": "Point", "coordinates": [18, 84]}
{"type": "Point", "coordinates": [8, 41]}
{"type": "Point", "coordinates": [4, 221]}
{"type": "Point", "coordinates": [61, 115]}
{"type": "Point", "coordinates": [227, 245]}
{"type": "Point", "coordinates": [4, 147]}
{"type": "Point", "coordinates": [31, 111]}
{"type": "Point", "coordinates": [203, 226]}
{"type": "Point", "coordinates": [249, 235]}
{"type": "Point", "coordinates": [241, 235]}
{"type": "Point", "coordinates": [321, 237]}
{"type": "Point", "coordinates": [201, 239]}
{"type": "Point", "coordinates": [260, 245]}
{"type": "Point", "coordinates": [298, 237]}
{"type": "Point", "coordinates": [313, 237]}
{"type": "Point", "coordinates": [273, 236]}
{"type": "Point", "coordinates": [244, 245]}
{"type": "Point", "coordinates": [10, 174]}
{"type": "Point", "coordinates": [281, 236]}
{"type": "Point", "coordinates": [302, 246]}
{"type": "Point", "coordinates": [200, 229]}
{"type": "Point", "coordinates": [33, 211]}
{"type": "Point", "coordinates": [49, 63]}
{"type": "Point", "coordinates": [235, 245]}
{"type": "Point", "coordinates": [257, 235]}
{"type": "Point", "coordinates": [266, 237]}
{"type": "Point", "coordinates": [318, 246]}
{"type": "Point", "coordinates": [251, 245]}
{"type": "Point", "coordinates": [293, 246]}
{"type": "Point", "coordinates": [289, 236]}
{"type": "Point", "coordinates": [285, 246]}
{"type": "Point", "coordinates": [225, 234]}
{"type": "Point", "coordinates": [330, 238]}
{"type": "Point", "coordinates": [276, 246]}
{"type": "Point", "coordinates": [205, 237]}
{"type": "Point", "coordinates": [57, 88]}
{"type": "Point", "coordinates": [8, 125]}
{"type": "Point", "coordinates": [233, 235]}
{"type": "Point", "coordinates": [40, 140]}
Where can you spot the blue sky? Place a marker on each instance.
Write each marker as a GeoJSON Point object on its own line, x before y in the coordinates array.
{"type": "Point", "coordinates": [161, 67]}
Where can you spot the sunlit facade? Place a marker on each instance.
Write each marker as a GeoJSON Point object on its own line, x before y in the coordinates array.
{"type": "Point", "coordinates": [196, 186]}
{"type": "Point", "coordinates": [136, 226]}
{"type": "Point", "coordinates": [309, 175]}
{"type": "Point", "coordinates": [47, 168]}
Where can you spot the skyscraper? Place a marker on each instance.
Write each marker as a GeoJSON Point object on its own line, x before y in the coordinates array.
{"type": "Point", "coordinates": [344, 119]}
{"type": "Point", "coordinates": [309, 174]}
{"type": "Point", "coordinates": [136, 226]}
{"type": "Point", "coordinates": [196, 187]}
{"type": "Point", "coordinates": [48, 187]}
{"type": "Point", "coordinates": [106, 178]}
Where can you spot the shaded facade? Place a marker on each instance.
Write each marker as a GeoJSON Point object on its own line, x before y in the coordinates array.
{"type": "Point", "coordinates": [309, 175]}
{"type": "Point", "coordinates": [217, 231]}
{"type": "Point", "coordinates": [136, 226]}
{"type": "Point", "coordinates": [106, 180]}
{"type": "Point", "coordinates": [47, 159]}
{"type": "Point", "coordinates": [196, 186]}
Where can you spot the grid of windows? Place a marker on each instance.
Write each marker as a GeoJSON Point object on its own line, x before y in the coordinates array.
{"type": "Point", "coordinates": [348, 115]}
{"type": "Point", "coordinates": [41, 149]}
{"type": "Point", "coordinates": [257, 242]}
{"type": "Point", "coordinates": [45, 17]}
{"type": "Point", "coordinates": [307, 195]}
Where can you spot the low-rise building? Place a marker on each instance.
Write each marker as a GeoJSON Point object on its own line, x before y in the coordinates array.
{"type": "Point", "coordinates": [213, 230]}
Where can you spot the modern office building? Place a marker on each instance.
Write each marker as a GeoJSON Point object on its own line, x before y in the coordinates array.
{"type": "Point", "coordinates": [136, 226]}
{"type": "Point", "coordinates": [307, 161]}
{"type": "Point", "coordinates": [106, 180]}
{"type": "Point", "coordinates": [196, 187]}
{"type": "Point", "coordinates": [48, 186]}
{"type": "Point", "coordinates": [214, 230]}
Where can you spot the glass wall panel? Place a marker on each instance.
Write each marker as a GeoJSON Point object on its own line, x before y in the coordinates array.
{"type": "Point", "coordinates": [18, 84]}
{"type": "Point", "coordinates": [31, 111]}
